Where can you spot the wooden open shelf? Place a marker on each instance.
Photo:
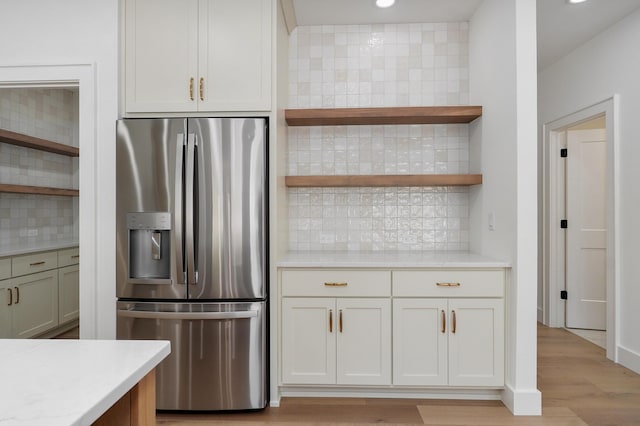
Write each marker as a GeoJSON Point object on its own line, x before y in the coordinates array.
{"type": "Point", "coordinates": [394, 115]}
{"type": "Point", "coordinates": [38, 190]}
{"type": "Point", "coordinates": [27, 141]}
{"type": "Point", "coordinates": [382, 180]}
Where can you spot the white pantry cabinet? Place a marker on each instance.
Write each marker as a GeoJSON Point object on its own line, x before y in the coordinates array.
{"type": "Point", "coordinates": [35, 303]}
{"type": "Point", "coordinates": [454, 341]}
{"type": "Point", "coordinates": [197, 55]}
{"type": "Point", "coordinates": [69, 293]}
{"type": "Point", "coordinates": [336, 340]}
{"type": "Point", "coordinates": [38, 294]}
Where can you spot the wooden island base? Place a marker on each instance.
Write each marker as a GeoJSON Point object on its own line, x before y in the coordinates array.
{"type": "Point", "coordinates": [136, 408]}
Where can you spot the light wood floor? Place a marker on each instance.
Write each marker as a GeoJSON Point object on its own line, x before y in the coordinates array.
{"type": "Point", "coordinates": [579, 387]}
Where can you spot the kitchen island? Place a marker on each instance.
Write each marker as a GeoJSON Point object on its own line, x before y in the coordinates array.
{"type": "Point", "coordinates": [78, 382]}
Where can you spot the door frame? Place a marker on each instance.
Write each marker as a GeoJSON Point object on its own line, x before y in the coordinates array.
{"type": "Point", "coordinates": [81, 76]}
{"type": "Point", "coordinates": [553, 208]}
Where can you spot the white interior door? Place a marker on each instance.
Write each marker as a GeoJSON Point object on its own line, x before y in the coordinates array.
{"type": "Point", "coordinates": [586, 233]}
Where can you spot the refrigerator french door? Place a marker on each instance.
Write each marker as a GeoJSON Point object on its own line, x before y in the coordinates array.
{"type": "Point", "coordinates": [191, 255]}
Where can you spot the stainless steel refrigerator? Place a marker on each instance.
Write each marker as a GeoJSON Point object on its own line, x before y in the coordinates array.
{"type": "Point", "coordinates": [192, 255]}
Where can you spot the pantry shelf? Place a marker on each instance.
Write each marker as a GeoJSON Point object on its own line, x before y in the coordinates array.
{"type": "Point", "coordinates": [374, 116]}
{"type": "Point", "coordinates": [27, 141]}
{"type": "Point", "coordinates": [38, 190]}
{"type": "Point", "coordinates": [382, 180]}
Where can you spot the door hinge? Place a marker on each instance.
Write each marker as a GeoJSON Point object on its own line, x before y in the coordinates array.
{"type": "Point", "coordinates": [564, 152]}
{"type": "Point", "coordinates": [563, 294]}
{"type": "Point", "coordinates": [564, 224]}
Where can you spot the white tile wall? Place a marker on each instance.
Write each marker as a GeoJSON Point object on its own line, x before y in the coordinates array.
{"type": "Point", "coordinates": [50, 114]}
{"type": "Point", "coordinates": [369, 66]}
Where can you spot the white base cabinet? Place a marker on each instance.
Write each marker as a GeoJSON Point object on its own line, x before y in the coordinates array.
{"type": "Point", "coordinates": [336, 340]}
{"type": "Point", "coordinates": [444, 328]}
{"type": "Point", "coordinates": [35, 304]}
{"type": "Point", "coordinates": [448, 342]}
{"type": "Point", "coordinates": [69, 293]}
{"type": "Point", "coordinates": [35, 301]}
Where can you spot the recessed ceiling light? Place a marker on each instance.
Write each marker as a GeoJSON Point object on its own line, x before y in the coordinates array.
{"type": "Point", "coordinates": [575, 1]}
{"type": "Point", "coordinates": [385, 3]}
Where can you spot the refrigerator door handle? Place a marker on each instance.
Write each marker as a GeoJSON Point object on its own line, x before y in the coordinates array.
{"type": "Point", "coordinates": [178, 215]}
{"type": "Point", "coordinates": [187, 315]}
{"type": "Point", "coordinates": [190, 242]}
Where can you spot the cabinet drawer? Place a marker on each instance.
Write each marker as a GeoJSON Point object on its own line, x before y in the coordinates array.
{"type": "Point", "coordinates": [333, 282]}
{"type": "Point", "coordinates": [448, 283]}
{"type": "Point", "coordinates": [5, 268]}
{"type": "Point", "coordinates": [31, 263]}
{"type": "Point", "coordinates": [68, 257]}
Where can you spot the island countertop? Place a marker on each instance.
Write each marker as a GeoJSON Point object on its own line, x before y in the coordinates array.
{"type": "Point", "coordinates": [388, 259]}
{"type": "Point", "coordinates": [70, 382]}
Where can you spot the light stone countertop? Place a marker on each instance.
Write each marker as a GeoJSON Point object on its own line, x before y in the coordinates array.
{"type": "Point", "coordinates": [17, 249]}
{"type": "Point", "coordinates": [388, 259]}
{"type": "Point", "coordinates": [70, 382]}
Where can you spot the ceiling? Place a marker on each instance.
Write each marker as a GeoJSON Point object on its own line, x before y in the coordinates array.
{"type": "Point", "coordinates": [561, 27]}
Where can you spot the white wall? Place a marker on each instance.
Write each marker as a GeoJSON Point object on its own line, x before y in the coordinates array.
{"type": "Point", "coordinates": [604, 66]}
{"type": "Point", "coordinates": [503, 147]}
{"type": "Point", "coordinates": [79, 32]}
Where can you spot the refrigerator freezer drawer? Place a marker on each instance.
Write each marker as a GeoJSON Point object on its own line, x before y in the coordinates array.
{"type": "Point", "coordinates": [218, 352]}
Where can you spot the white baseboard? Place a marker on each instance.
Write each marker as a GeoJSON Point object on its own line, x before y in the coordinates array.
{"type": "Point", "coordinates": [274, 403]}
{"type": "Point", "coordinates": [356, 392]}
{"type": "Point", "coordinates": [522, 402]}
{"type": "Point", "coordinates": [629, 359]}
{"type": "Point", "coordinates": [540, 315]}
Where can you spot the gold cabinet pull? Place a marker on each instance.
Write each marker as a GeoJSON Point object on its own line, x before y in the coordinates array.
{"type": "Point", "coordinates": [444, 322]}
{"type": "Point", "coordinates": [202, 88]}
{"type": "Point", "coordinates": [336, 284]}
{"type": "Point", "coordinates": [340, 319]}
{"type": "Point", "coordinates": [191, 88]}
{"type": "Point", "coordinates": [37, 263]}
{"type": "Point", "coordinates": [453, 330]}
{"type": "Point", "coordinates": [10, 297]}
{"type": "Point", "coordinates": [75, 256]}
{"type": "Point", "coordinates": [448, 284]}
{"type": "Point", "coordinates": [17, 295]}
{"type": "Point", "coordinates": [330, 320]}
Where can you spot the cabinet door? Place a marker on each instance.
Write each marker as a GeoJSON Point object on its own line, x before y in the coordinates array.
{"type": "Point", "coordinates": [476, 342]}
{"type": "Point", "coordinates": [35, 303]}
{"type": "Point", "coordinates": [161, 55]}
{"type": "Point", "coordinates": [235, 55]}
{"type": "Point", "coordinates": [420, 342]}
{"type": "Point", "coordinates": [6, 302]}
{"type": "Point", "coordinates": [308, 341]}
{"type": "Point", "coordinates": [364, 341]}
{"type": "Point", "coordinates": [68, 293]}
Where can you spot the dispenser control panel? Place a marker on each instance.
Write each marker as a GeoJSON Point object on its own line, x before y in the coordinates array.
{"type": "Point", "coordinates": [150, 221]}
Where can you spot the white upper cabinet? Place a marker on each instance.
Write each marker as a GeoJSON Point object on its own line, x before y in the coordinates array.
{"type": "Point", "coordinates": [197, 55]}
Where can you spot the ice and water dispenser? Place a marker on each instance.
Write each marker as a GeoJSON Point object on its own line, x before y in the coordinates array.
{"type": "Point", "coordinates": [149, 247]}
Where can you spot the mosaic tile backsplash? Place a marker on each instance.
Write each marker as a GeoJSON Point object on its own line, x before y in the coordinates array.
{"type": "Point", "coordinates": [337, 66]}
{"type": "Point", "coordinates": [50, 114]}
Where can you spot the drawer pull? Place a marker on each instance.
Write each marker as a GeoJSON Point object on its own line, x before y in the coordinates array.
{"type": "Point", "coordinates": [448, 284]}
{"type": "Point", "coordinates": [75, 256]}
{"type": "Point", "coordinates": [10, 297]}
{"type": "Point", "coordinates": [37, 263]}
{"type": "Point", "coordinates": [17, 295]}
{"type": "Point", "coordinates": [444, 322]}
{"type": "Point", "coordinates": [453, 330]}
{"type": "Point", "coordinates": [330, 320]}
{"type": "Point", "coordinates": [336, 284]}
